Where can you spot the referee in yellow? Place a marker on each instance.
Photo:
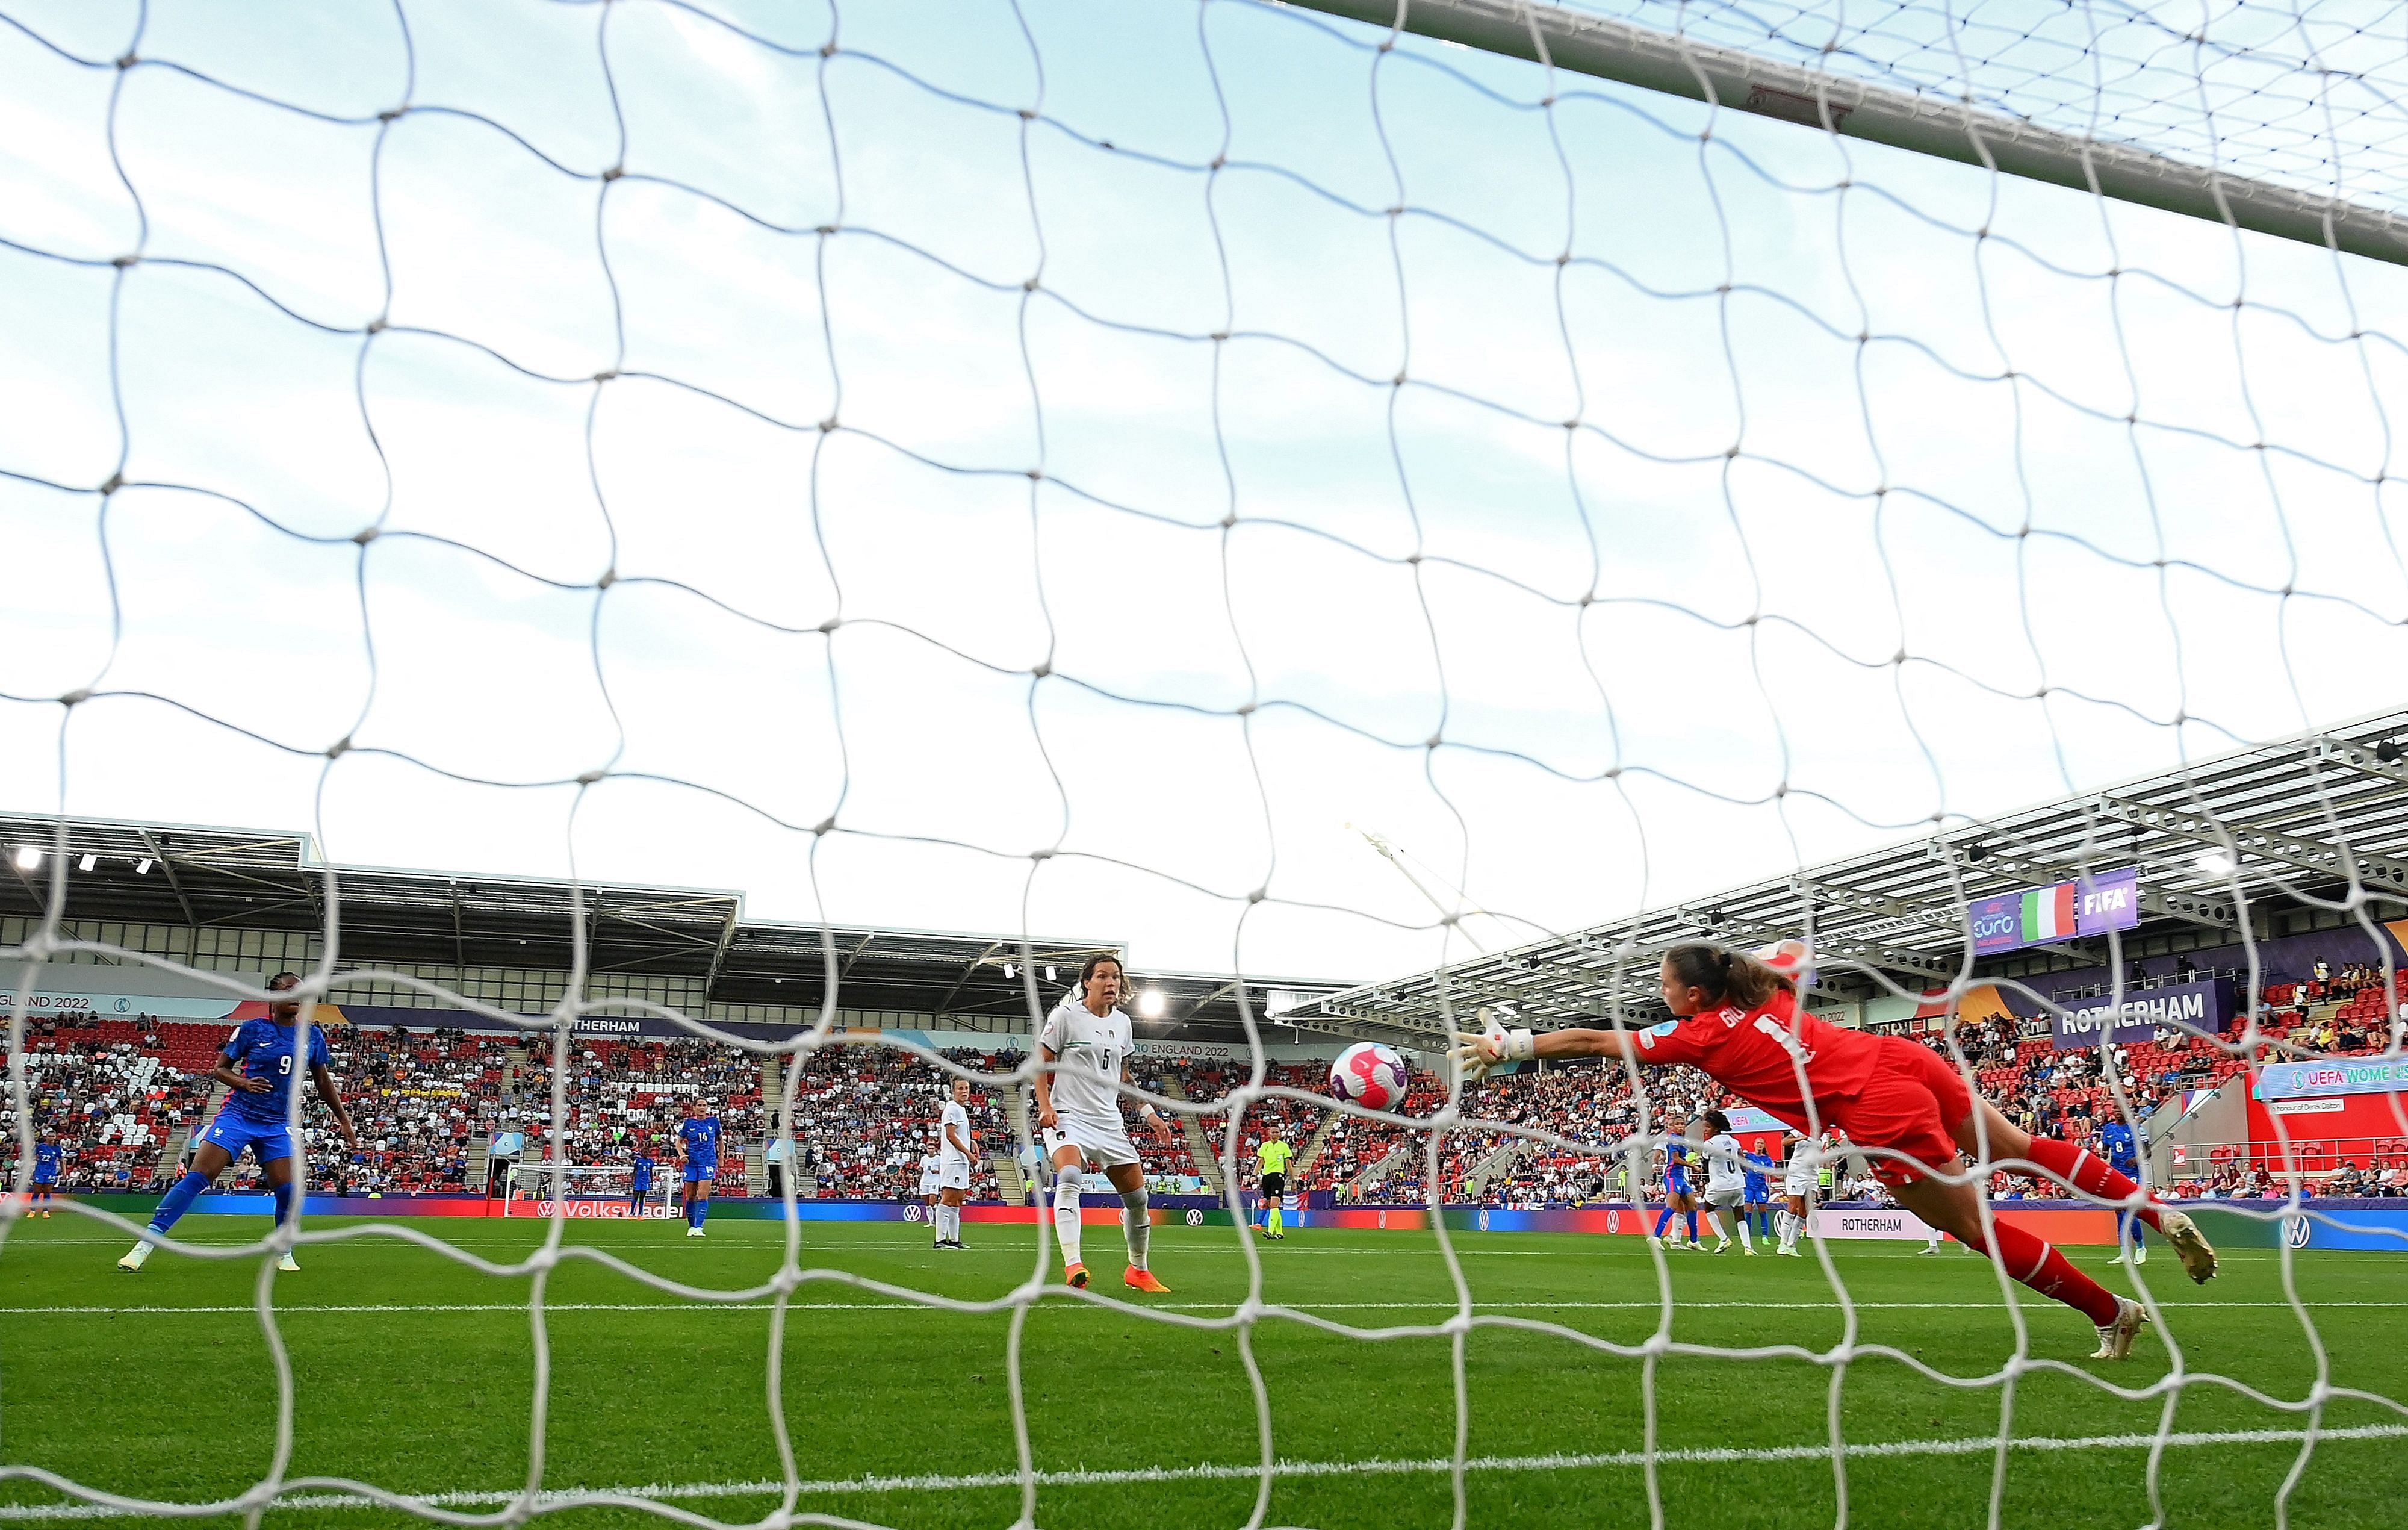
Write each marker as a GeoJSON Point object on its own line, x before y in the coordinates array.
{"type": "Point", "coordinates": [1273, 1155]}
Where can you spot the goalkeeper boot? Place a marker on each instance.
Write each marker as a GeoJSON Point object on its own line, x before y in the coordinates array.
{"type": "Point", "coordinates": [2115, 1338]}
{"type": "Point", "coordinates": [2192, 1247]}
{"type": "Point", "coordinates": [135, 1256]}
{"type": "Point", "coordinates": [1144, 1280]}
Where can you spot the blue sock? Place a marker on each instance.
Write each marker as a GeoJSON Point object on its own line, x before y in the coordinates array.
{"type": "Point", "coordinates": [179, 1200]}
{"type": "Point", "coordinates": [283, 1194]}
{"type": "Point", "coordinates": [1663, 1221]}
{"type": "Point", "coordinates": [695, 1211]}
{"type": "Point", "coordinates": [1693, 1225]}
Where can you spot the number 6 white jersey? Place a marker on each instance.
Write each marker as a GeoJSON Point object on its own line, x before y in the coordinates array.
{"type": "Point", "coordinates": [1090, 1050]}
{"type": "Point", "coordinates": [954, 1122]}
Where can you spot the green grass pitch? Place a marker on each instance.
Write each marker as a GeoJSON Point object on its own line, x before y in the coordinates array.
{"type": "Point", "coordinates": [416, 1374]}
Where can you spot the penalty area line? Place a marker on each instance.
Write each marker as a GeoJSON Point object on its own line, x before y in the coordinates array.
{"type": "Point", "coordinates": [665, 1493]}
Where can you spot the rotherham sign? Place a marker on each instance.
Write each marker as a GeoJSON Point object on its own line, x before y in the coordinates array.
{"type": "Point", "coordinates": [2195, 1006]}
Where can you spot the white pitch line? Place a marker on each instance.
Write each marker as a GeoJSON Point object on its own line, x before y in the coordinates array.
{"type": "Point", "coordinates": [520, 1308]}
{"type": "Point", "coordinates": [1980, 1445]}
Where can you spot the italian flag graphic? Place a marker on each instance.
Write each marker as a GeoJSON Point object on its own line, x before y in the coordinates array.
{"type": "Point", "coordinates": [2048, 913]}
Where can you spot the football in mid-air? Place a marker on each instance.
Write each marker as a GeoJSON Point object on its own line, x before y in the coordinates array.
{"type": "Point", "coordinates": [1369, 1074]}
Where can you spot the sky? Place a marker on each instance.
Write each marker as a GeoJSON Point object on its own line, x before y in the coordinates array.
{"type": "Point", "coordinates": [849, 502]}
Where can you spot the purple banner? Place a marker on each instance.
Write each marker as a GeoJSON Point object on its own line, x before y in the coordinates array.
{"type": "Point", "coordinates": [2197, 1007]}
{"type": "Point", "coordinates": [2012, 920]}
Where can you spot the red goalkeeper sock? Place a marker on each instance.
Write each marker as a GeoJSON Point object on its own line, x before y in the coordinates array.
{"type": "Point", "coordinates": [2089, 1174]}
{"type": "Point", "coordinates": [2036, 1263]}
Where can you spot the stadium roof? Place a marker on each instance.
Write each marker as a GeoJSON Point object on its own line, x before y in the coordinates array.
{"type": "Point", "coordinates": [173, 874]}
{"type": "Point", "coordinates": [2302, 820]}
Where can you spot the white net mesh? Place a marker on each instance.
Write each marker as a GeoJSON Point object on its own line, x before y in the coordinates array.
{"type": "Point", "coordinates": [1077, 459]}
{"type": "Point", "coordinates": [2305, 96]}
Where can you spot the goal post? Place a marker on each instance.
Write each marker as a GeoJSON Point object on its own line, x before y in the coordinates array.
{"type": "Point", "coordinates": [585, 1191]}
{"type": "Point", "coordinates": [1929, 121]}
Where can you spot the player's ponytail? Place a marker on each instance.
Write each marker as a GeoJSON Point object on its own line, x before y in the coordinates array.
{"type": "Point", "coordinates": [1717, 1123]}
{"type": "Point", "coordinates": [1729, 977]}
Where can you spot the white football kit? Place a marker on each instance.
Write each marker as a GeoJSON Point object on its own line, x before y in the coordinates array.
{"type": "Point", "coordinates": [928, 1173]}
{"type": "Point", "coordinates": [1089, 1051]}
{"type": "Point", "coordinates": [953, 1165]}
{"type": "Point", "coordinates": [1800, 1180]}
{"type": "Point", "coordinates": [1725, 1175]}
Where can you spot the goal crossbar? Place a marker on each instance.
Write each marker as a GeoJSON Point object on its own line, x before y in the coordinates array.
{"type": "Point", "coordinates": [1609, 47]}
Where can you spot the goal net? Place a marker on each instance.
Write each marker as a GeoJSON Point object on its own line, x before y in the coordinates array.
{"type": "Point", "coordinates": [586, 1190]}
{"type": "Point", "coordinates": [1442, 501]}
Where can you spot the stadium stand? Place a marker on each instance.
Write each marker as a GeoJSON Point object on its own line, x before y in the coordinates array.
{"type": "Point", "coordinates": [119, 1093]}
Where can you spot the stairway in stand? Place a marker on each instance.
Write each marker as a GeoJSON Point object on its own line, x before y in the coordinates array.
{"type": "Point", "coordinates": [182, 1137]}
{"type": "Point", "coordinates": [1199, 1148]}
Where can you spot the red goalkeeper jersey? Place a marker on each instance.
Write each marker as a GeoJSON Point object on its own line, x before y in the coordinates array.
{"type": "Point", "coordinates": [1756, 1053]}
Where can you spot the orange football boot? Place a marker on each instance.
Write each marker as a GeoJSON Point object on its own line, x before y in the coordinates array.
{"type": "Point", "coordinates": [1144, 1280]}
{"type": "Point", "coordinates": [1075, 1275]}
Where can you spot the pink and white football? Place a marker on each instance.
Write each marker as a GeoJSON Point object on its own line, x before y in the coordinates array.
{"type": "Point", "coordinates": [1369, 1074]}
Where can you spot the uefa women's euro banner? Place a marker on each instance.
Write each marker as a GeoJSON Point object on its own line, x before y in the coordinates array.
{"type": "Point", "coordinates": [2195, 1006]}
{"type": "Point", "coordinates": [2332, 1076]}
{"type": "Point", "coordinates": [2011, 921]}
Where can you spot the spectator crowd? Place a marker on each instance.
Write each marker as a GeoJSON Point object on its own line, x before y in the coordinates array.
{"type": "Point", "coordinates": [118, 1093]}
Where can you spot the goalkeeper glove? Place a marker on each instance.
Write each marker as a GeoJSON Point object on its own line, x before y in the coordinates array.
{"type": "Point", "coordinates": [1476, 1052]}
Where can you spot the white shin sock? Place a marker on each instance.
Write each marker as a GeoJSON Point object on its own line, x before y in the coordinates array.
{"type": "Point", "coordinates": [1067, 1183]}
{"type": "Point", "coordinates": [1136, 1223]}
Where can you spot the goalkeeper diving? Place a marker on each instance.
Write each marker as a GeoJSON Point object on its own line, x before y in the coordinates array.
{"type": "Point", "coordinates": [1737, 1017]}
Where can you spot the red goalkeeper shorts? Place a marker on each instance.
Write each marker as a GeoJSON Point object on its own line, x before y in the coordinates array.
{"type": "Point", "coordinates": [1910, 1105]}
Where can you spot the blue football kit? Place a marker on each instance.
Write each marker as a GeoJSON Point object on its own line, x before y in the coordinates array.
{"type": "Point", "coordinates": [1755, 1165]}
{"type": "Point", "coordinates": [45, 1162]}
{"type": "Point", "coordinates": [263, 1049]}
{"type": "Point", "coordinates": [2123, 1155]}
{"type": "Point", "coordinates": [700, 1135]}
{"type": "Point", "coordinates": [2117, 1142]}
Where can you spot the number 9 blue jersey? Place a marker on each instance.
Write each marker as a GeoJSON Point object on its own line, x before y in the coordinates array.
{"type": "Point", "coordinates": [264, 1050]}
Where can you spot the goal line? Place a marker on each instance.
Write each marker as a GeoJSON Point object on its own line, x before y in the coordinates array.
{"type": "Point", "coordinates": [308, 1493]}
